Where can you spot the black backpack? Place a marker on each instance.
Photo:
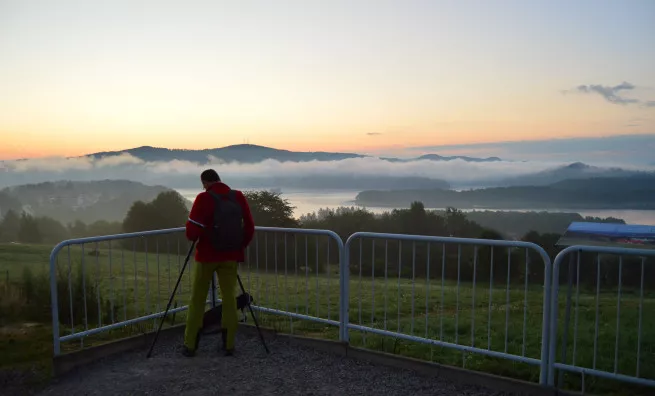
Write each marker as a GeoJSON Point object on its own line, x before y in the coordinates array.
{"type": "Point", "coordinates": [227, 231]}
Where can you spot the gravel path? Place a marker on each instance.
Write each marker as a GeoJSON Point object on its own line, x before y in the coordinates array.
{"type": "Point", "coordinates": [290, 369]}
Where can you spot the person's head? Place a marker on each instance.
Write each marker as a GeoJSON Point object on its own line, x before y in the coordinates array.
{"type": "Point", "coordinates": [209, 178]}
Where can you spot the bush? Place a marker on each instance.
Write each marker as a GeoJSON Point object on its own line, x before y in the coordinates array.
{"type": "Point", "coordinates": [11, 303]}
{"type": "Point", "coordinates": [29, 299]}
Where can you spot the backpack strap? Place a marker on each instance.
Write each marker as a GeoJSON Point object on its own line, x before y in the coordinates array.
{"type": "Point", "coordinates": [218, 198]}
{"type": "Point", "coordinates": [230, 194]}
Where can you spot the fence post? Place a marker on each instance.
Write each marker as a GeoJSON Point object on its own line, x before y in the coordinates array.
{"type": "Point", "coordinates": [344, 288]}
{"type": "Point", "coordinates": [552, 339]}
{"type": "Point", "coordinates": [567, 317]}
{"type": "Point", "coordinates": [53, 298]}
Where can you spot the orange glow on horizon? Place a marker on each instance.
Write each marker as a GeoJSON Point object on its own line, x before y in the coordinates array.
{"type": "Point", "coordinates": [97, 76]}
{"type": "Point", "coordinates": [79, 128]}
{"type": "Point", "coordinates": [16, 149]}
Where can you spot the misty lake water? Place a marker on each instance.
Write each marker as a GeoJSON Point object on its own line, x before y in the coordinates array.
{"type": "Point", "coordinates": [311, 201]}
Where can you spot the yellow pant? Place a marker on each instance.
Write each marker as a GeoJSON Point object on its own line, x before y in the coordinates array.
{"type": "Point", "coordinates": [227, 279]}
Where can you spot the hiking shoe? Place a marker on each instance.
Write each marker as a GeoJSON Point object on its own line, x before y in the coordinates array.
{"type": "Point", "coordinates": [223, 347]}
{"type": "Point", "coordinates": [188, 352]}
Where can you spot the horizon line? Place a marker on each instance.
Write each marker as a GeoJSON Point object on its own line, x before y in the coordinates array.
{"type": "Point", "coordinates": [411, 148]}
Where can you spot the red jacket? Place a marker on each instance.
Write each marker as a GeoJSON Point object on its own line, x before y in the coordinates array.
{"type": "Point", "coordinates": [201, 218]}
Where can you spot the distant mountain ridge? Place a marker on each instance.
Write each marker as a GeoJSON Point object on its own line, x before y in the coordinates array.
{"type": "Point", "coordinates": [631, 192]}
{"type": "Point", "coordinates": [576, 170]}
{"type": "Point", "coordinates": [250, 153]}
{"type": "Point", "coordinates": [437, 157]}
{"type": "Point", "coordinates": [245, 153]}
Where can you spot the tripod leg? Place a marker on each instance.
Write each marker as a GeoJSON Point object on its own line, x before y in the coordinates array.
{"type": "Point", "coordinates": [213, 296]}
{"type": "Point", "coordinates": [254, 318]}
{"type": "Point", "coordinates": [170, 300]}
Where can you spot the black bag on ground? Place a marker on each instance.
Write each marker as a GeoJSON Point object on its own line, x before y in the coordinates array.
{"type": "Point", "coordinates": [214, 315]}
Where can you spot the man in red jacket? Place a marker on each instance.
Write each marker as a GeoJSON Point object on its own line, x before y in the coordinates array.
{"type": "Point", "coordinates": [221, 223]}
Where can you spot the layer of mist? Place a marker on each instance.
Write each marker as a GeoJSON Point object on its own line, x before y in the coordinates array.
{"type": "Point", "coordinates": [348, 174]}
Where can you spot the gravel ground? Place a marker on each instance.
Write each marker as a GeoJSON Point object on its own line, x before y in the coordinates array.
{"type": "Point", "coordinates": [290, 369]}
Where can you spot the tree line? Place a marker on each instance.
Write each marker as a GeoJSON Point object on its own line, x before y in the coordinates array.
{"type": "Point", "coordinates": [25, 228]}
{"type": "Point", "coordinates": [410, 260]}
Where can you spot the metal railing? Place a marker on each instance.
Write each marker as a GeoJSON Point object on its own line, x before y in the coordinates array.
{"type": "Point", "coordinates": [128, 279]}
{"type": "Point", "coordinates": [625, 299]}
{"type": "Point", "coordinates": [289, 273]}
{"type": "Point", "coordinates": [465, 298]}
{"type": "Point", "coordinates": [407, 269]}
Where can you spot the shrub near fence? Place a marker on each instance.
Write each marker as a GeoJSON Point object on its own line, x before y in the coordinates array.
{"type": "Point", "coordinates": [29, 299]}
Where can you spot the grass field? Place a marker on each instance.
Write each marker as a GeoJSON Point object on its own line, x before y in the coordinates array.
{"type": "Point", "coordinates": [132, 284]}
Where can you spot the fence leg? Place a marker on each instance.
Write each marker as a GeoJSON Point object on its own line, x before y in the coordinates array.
{"type": "Point", "coordinates": [567, 320]}
{"type": "Point", "coordinates": [344, 294]}
{"type": "Point", "coordinates": [554, 306]}
{"type": "Point", "coordinates": [54, 305]}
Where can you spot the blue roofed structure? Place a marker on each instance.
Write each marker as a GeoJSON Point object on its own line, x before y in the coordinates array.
{"type": "Point", "coordinates": [609, 234]}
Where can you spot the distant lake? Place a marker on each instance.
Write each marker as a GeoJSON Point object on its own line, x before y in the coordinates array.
{"type": "Point", "coordinates": [311, 201]}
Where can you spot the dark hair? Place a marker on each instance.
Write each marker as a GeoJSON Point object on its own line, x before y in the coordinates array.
{"type": "Point", "coordinates": [209, 175]}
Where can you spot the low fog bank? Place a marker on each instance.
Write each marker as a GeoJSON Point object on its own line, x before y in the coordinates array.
{"type": "Point", "coordinates": [355, 173]}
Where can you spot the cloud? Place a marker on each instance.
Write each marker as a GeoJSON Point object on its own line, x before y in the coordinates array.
{"type": "Point", "coordinates": [374, 134]}
{"type": "Point", "coordinates": [61, 164]}
{"type": "Point", "coordinates": [612, 94]}
{"type": "Point", "coordinates": [184, 174]}
{"type": "Point", "coordinates": [121, 159]}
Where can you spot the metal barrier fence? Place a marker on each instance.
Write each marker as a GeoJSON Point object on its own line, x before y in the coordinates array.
{"type": "Point", "coordinates": [441, 254]}
{"type": "Point", "coordinates": [140, 306]}
{"type": "Point", "coordinates": [436, 291]}
{"type": "Point", "coordinates": [295, 274]}
{"type": "Point", "coordinates": [129, 277]}
{"type": "Point", "coordinates": [624, 300]}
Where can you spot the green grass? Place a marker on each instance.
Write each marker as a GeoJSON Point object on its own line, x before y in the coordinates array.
{"type": "Point", "coordinates": [451, 314]}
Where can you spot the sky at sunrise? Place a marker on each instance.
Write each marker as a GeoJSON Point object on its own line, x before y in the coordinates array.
{"type": "Point", "coordinates": [367, 76]}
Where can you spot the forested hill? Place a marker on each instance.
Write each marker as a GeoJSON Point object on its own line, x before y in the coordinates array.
{"type": "Point", "coordinates": [67, 201]}
{"type": "Point", "coordinates": [633, 192]}
{"type": "Point", "coordinates": [574, 171]}
{"type": "Point", "coordinates": [250, 153]}
{"type": "Point", "coordinates": [244, 153]}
